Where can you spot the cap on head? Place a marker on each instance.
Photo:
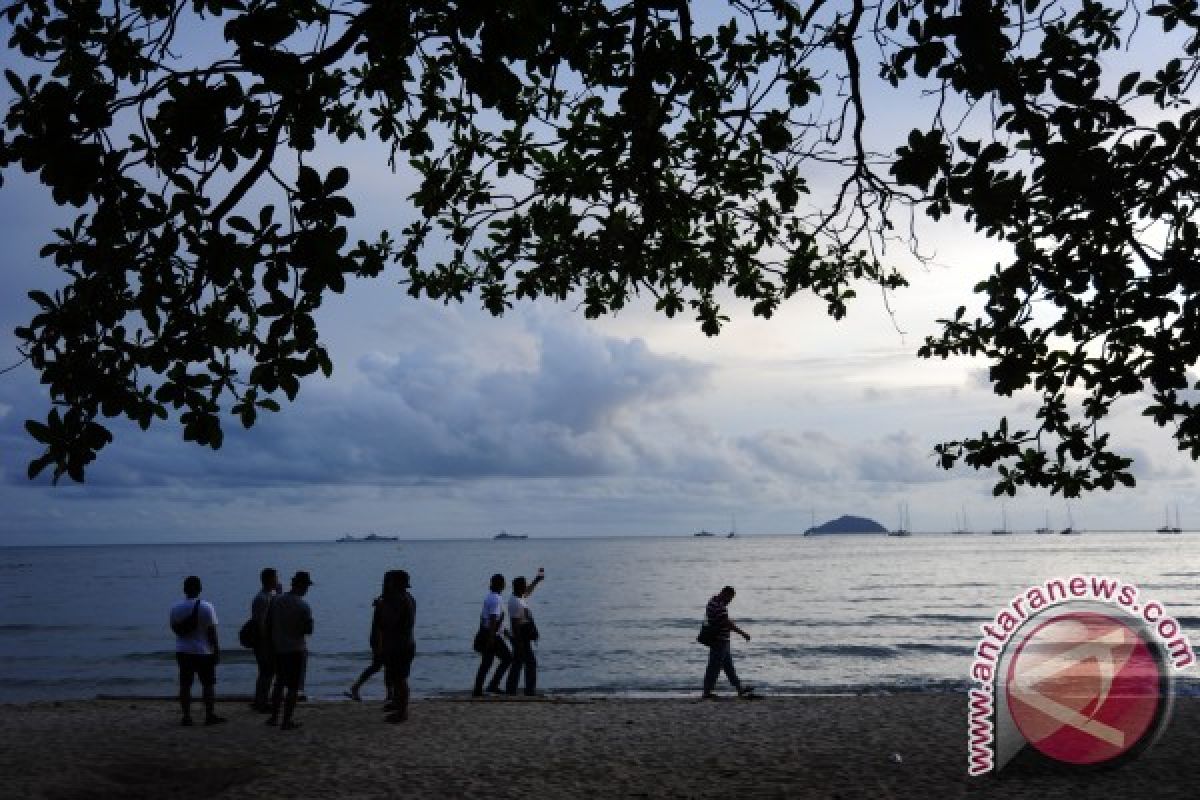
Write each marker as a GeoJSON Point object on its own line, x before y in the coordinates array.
{"type": "Point", "coordinates": [402, 581]}
{"type": "Point", "coordinates": [191, 586]}
{"type": "Point", "coordinates": [728, 592]}
{"type": "Point", "coordinates": [301, 578]}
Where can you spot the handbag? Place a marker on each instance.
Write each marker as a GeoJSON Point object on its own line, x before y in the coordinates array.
{"type": "Point", "coordinates": [482, 639]}
{"type": "Point", "coordinates": [531, 629]}
{"type": "Point", "coordinates": [708, 635]}
{"type": "Point", "coordinates": [248, 635]}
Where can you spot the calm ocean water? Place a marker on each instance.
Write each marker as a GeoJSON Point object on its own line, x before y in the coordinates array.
{"type": "Point", "coordinates": [827, 614]}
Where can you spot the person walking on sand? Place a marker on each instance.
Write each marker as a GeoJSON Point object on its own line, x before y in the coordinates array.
{"type": "Point", "coordinates": [489, 643]}
{"type": "Point", "coordinates": [291, 622]}
{"type": "Point", "coordinates": [260, 612]}
{"type": "Point", "coordinates": [397, 612]}
{"type": "Point", "coordinates": [376, 651]}
{"type": "Point", "coordinates": [524, 634]}
{"type": "Point", "coordinates": [197, 651]}
{"type": "Point", "coordinates": [720, 655]}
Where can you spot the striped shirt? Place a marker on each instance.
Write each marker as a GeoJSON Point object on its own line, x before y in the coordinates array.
{"type": "Point", "coordinates": [717, 615]}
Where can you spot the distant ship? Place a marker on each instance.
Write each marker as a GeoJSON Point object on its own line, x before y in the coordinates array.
{"type": "Point", "coordinates": [507, 535]}
{"type": "Point", "coordinates": [1167, 526]}
{"type": "Point", "coordinates": [1003, 530]}
{"type": "Point", "coordinates": [1070, 530]}
{"type": "Point", "coordinates": [703, 533]}
{"type": "Point", "coordinates": [370, 537]}
{"type": "Point", "coordinates": [905, 528]}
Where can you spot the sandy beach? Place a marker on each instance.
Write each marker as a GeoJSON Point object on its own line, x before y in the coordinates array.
{"type": "Point", "coordinates": [828, 747]}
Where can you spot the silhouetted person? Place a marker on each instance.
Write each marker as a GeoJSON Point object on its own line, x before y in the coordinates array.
{"type": "Point", "coordinates": [397, 612]}
{"type": "Point", "coordinates": [264, 657]}
{"type": "Point", "coordinates": [376, 644]}
{"type": "Point", "coordinates": [520, 620]}
{"type": "Point", "coordinates": [291, 622]}
{"type": "Point", "coordinates": [194, 622]}
{"type": "Point", "coordinates": [720, 655]}
{"type": "Point", "coordinates": [492, 646]}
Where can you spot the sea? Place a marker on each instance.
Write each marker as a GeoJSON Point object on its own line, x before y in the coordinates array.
{"type": "Point", "coordinates": [618, 616]}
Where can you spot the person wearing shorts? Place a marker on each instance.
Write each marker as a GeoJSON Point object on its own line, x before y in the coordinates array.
{"type": "Point", "coordinates": [197, 650]}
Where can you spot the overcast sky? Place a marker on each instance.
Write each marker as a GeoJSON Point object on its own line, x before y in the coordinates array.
{"type": "Point", "coordinates": [445, 422]}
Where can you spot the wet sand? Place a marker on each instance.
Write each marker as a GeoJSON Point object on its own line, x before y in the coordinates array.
{"type": "Point", "coordinates": [787, 747]}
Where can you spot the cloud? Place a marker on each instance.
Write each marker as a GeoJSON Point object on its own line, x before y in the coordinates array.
{"type": "Point", "coordinates": [815, 457]}
{"type": "Point", "coordinates": [579, 406]}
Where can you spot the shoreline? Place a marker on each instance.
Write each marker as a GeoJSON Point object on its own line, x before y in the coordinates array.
{"type": "Point", "coordinates": [1186, 687]}
{"type": "Point", "coordinates": [899, 745]}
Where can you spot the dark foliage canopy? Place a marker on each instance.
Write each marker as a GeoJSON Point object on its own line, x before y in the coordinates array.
{"type": "Point", "coordinates": [597, 151]}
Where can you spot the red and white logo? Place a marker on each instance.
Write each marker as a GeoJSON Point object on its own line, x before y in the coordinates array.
{"type": "Point", "coordinates": [1085, 687]}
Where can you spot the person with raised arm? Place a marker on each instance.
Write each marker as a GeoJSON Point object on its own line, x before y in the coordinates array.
{"type": "Point", "coordinates": [524, 634]}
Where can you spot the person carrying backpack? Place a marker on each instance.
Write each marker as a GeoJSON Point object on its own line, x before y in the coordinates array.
{"type": "Point", "coordinates": [197, 651]}
{"type": "Point", "coordinates": [264, 657]}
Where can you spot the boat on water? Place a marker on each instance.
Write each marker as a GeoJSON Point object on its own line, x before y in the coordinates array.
{"type": "Point", "coordinates": [905, 527]}
{"type": "Point", "coordinates": [703, 533]}
{"type": "Point", "coordinates": [1167, 527]}
{"type": "Point", "coordinates": [370, 537]}
{"type": "Point", "coordinates": [1003, 530]}
{"type": "Point", "coordinates": [1070, 530]}
{"type": "Point", "coordinates": [1046, 528]}
{"type": "Point", "coordinates": [507, 535]}
{"type": "Point", "coordinates": [962, 527]}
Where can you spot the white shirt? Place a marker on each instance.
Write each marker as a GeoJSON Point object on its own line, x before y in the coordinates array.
{"type": "Point", "coordinates": [516, 609]}
{"type": "Point", "coordinates": [195, 642]}
{"type": "Point", "coordinates": [493, 606]}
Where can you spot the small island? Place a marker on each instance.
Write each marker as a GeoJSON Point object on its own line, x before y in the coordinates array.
{"type": "Point", "coordinates": [846, 524]}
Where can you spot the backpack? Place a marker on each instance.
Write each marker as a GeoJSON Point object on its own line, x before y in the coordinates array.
{"type": "Point", "coordinates": [248, 636]}
{"type": "Point", "coordinates": [188, 624]}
